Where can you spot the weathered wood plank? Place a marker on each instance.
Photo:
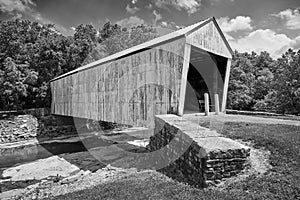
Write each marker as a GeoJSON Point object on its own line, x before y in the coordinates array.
{"type": "Point", "coordinates": [130, 90]}
{"type": "Point", "coordinates": [209, 39]}
{"type": "Point", "coordinates": [186, 63]}
{"type": "Point", "coordinates": [226, 82]}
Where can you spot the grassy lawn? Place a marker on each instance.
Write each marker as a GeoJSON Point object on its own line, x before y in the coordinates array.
{"type": "Point", "coordinates": [296, 118]}
{"type": "Point", "coordinates": [281, 182]}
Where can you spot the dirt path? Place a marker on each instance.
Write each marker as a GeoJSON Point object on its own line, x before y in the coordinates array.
{"type": "Point", "coordinates": [238, 118]}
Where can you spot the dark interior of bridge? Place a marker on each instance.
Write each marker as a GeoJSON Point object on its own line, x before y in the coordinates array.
{"type": "Point", "coordinates": [206, 75]}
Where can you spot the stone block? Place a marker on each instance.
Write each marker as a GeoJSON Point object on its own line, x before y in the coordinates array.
{"type": "Point", "coordinates": [208, 155]}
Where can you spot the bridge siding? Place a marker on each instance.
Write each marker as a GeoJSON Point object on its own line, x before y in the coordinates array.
{"type": "Point", "coordinates": [209, 39]}
{"type": "Point", "coordinates": [133, 89]}
{"type": "Point", "coordinates": [130, 90]}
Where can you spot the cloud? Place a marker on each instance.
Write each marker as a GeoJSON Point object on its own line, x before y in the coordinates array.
{"type": "Point", "coordinates": [292, 18]}
{"type": "Point", "coordinates": [131, 21]}
{"type": "Point", "coordinates": [296, 43]}
{"type": "Point", "coordinates": [26, 9]}
{"type": "Point", "coordinates": [171, 25]}
{"type": "Point", "coordinates": [265, 40]}
{"type": "Point", "coordinates": [164, 24]}
{"type": "Point", "coordinates": [240, 23]}
{"type": "Point", "coordinates": [132, 10]}
{"type": "Point", "coordinates": [157, 16]}
{"type": "Point", "coordinates": [256, 40]}
{"type": "Point", "coordinates": [9, 6]}
{"type": "Point", "coordinates": [228, 37]}
{"type": "Point", "coordinates": [17, 16]}
{"type": "Point", "coordinates": [191, 6]}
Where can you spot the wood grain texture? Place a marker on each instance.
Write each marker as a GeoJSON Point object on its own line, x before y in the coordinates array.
{"type": "Point", "coordinates": [133, 88]}
{"type": "Point", "coordinates": [130, 90]}
{"type": "Point", "coordinates": [225, 90]}
{"type": "Point", "coordinates": [209, 39]}
{"type": "Point", "coordinates": [186, 63]}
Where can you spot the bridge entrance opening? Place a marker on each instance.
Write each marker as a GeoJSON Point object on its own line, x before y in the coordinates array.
{"type": "Point", "coordinates": [206, 74]}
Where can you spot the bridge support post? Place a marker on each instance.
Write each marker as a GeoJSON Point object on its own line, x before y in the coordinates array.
{"type": "Point", "coordinates": [206, 100]}
{"type": "Point", "coordinates": [217, 104]}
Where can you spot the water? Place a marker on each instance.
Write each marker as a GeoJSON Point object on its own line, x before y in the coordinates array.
{"type": "Point", "coordinates": [27, 153]}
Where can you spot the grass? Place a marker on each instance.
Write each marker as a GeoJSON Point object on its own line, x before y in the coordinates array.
{"type": "Point", "coordinates": [284, 117]}
{"type": "Point", "coordinates": [281, 182]}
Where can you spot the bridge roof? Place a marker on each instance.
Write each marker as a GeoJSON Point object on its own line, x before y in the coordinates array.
{"type": "Point", "coordinates": [176, 34]}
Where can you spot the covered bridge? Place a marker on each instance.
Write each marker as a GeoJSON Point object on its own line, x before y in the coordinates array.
{"type": "Point", "coordinates": [167, 75]}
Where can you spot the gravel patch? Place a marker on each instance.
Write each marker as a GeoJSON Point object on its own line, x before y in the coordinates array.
{"type": "Point", "coordinates": [258, 166]}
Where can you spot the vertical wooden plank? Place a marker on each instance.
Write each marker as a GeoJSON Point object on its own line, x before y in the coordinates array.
{"type": "Point", "coordinates": [226, 82]}
{"type": "Point", "coordinates": [126, 105]}
{"type": "Point", "coordinates": [207, 37]}
{"type": "Point", "coordinates": [155, 62]}
{"type": "Point", "coordinates": [186, 62]}
{"type": "Point", "coordinates": [112, 95]}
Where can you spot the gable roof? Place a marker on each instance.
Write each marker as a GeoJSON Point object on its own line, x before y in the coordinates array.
{"type": "Point", "coordinates": [176, 34]}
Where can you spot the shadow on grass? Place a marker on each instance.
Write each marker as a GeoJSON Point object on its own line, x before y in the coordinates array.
{"type": "Point", "coordinates": [281, 182]}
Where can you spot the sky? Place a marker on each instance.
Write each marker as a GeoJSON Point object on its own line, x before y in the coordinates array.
{"type": "Point", "coordinates": [249, 25]}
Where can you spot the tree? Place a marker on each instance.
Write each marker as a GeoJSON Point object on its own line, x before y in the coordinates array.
{"type": "Point", "coordinates": [85, 38]}
{"type": "Point", "coordinates": [263, 72]}
{"type": "Point", "coordinates": [126, 38]}
{"type": "Point", "coordinates": [287, 83]}
{"type": "Point", "coordinates": [31, 55]}
{"type": "Point", "coordinates": [15, 81]}
{"type": "Point", "coordinates": [109, 30]}
{"type": "Point", "coordinates": [241, 84]}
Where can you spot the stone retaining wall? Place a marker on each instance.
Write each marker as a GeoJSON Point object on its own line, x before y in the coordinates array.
{"type": "Point", "coordinates": [26, 127]}
{"type": "Point", "coordinates": [207, 157]}
{"type": "Point", "coordinates": [40, 124]}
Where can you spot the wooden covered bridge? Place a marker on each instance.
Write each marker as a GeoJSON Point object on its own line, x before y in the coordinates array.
{"type": "Point", "coordinates": [169, 74]}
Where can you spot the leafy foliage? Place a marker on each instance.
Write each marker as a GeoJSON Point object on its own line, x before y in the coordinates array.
{"type": "Point", "coordinates": [287, 83]}
{"type": "Point", "coordinates": [32, 54]}
{"type": "Point", "coordinates": [127, 37]}
{"type": "Point", "coordinates": [258, 82]}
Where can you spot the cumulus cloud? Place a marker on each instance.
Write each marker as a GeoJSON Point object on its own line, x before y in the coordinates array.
{"type": "Point", "coordinates": [296, 43]}
{"type": "Point", "coordinates": [17, 16]}
{"type": "Point", "coordinates": [131, 21]}
{"type": "Point", "coordinates": [239, 23]}
{"type": "Point", "coordinates": [292, 18]}
{"type": "Point", "coordinates": [26, 8]}
{"type": "Point", "coordinates": [228, 37]}
{"type": "Point", "coordinates": [191, 6]}
{"type": "Point", "coordinates": [16, 5]}
{"type": "Point", "coordinates": [256, 40]}
{"type": "Point", "coordinates": [171, 25]}
{"type": "Point", "coordinates": [132, 10]}
{"type": "Point", "coordinates": [164, 24]}
{"type": "Point", "coordinates": [265, 40]}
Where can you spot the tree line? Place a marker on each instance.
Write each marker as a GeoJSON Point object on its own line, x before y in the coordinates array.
{"type": "Point", "coordinates": [32, 54]}
{"type": "Point", "coordinates": [258, 82]}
